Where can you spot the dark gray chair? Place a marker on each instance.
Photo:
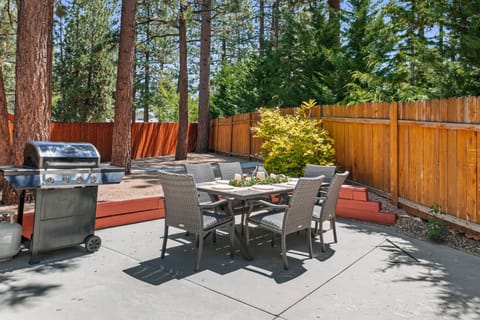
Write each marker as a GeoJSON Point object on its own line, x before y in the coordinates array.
{"type": "Point", "coordinates": [288, 218]}
{"type": "Point", "coordinates": [183, 211]}
{"type": "Point", "coordinates": [326, 210]}
{"type": "Point", "coordinates": [229, 169]}
{"type": "Point", "coordinates": [227, 172]}
{"type": "Point", "coordinates": [201, 172]}
{"type": "Point", "coordinates": [314, 170]}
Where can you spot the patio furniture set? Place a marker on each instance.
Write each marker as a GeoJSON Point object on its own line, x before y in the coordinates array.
{"type": "Point", "coordinates": [199, 203]}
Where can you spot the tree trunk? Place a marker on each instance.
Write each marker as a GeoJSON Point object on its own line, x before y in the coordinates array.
{"type": "Point", "coordinates": [33, 71]}
{"type": "Point", "coordinates": [334, 17]}
{"type": "Point", "coordinates": [276, 23]}
{"type": "Point", "coordinates": [146, 87]}
{"type": "Point", "coordinates": [261, 40]}
{"type": "Point", "coordinates": [33, 83]}
{"type": "Point", "coordinates": [204, 85]}
{"type": "Point", "coordinates": [334, 5]}
{"type": "Point", "coordinates": [181, 151]}
{"type": "Point", "coordinates": [122, 135]}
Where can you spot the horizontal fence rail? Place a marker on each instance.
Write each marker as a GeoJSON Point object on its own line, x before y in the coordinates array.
{"type": "Point", "coordinates": [419, 153]}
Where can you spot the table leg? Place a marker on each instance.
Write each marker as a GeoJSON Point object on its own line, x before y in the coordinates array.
{"type": "Point", "coordinates": [243, 246]}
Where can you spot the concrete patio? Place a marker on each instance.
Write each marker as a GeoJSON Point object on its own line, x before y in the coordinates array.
{"type": "Point", "coordinates": [371, 273]}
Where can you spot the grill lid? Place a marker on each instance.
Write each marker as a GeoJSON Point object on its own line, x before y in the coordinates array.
{"type": "Point", "coordinates": [47, 154]}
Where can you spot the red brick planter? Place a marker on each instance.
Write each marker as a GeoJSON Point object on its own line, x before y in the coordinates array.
{"type": "Point", "coordinates": [353, 203]}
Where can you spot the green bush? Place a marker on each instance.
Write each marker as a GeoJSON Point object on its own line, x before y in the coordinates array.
{"type": "Point", "coordinates": [436, 227]}
{"type": "Point", "coordinates": [292, 141]}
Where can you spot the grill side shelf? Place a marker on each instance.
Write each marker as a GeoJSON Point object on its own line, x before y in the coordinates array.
{"type": "Point", "coordinates": [112, 174]}
{"type": "Point", "coordinates": [21, 178]}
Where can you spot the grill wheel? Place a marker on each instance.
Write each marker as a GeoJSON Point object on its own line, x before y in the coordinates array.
{"type": "Point", "coordinates": [92, 243]}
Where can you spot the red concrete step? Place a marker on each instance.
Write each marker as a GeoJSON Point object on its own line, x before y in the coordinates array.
{"type": "Point", "coordinates": [115, 213]}
{"type": "Point", "coordinates": [353, 203]}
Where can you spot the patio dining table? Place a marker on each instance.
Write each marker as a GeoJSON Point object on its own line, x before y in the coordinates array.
{"type": "Point", "coordinates": [231, 193]}
{"type": "Point", "coordinates": [258, 191]}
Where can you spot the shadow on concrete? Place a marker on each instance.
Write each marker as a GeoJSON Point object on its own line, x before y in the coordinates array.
{"type": "Point", "coordinates": [15, 292]}
{"type": "Point", "coordinates": [454, 274]}
{"type": "Point", "coordinates": [180, 258]}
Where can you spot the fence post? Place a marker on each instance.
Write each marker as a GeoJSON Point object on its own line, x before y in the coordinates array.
{"type": "Point", "coordinates": [394, 153]}
{"type": "Point", "coordinates": [250, 136]}
{"type": "Point", "coordinates": [216, 135]}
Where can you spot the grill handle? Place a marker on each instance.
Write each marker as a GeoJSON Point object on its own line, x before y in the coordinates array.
{"type": "Point", "coordinates": [58, 164]}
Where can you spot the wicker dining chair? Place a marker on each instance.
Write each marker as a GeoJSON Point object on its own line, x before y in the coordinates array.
{"type": "Point", "coordinates": [285, 219]}
{"type": "Point", "coordinates": [183, 211]}
{"type": "Point", "coordinates": [201, 172]}
{"type": "Point", "coordinates": [229, 169]}
{"type": "Point", "coordinates": [326, 210]}
{"type": "Point", "coordinates": [313, 170]}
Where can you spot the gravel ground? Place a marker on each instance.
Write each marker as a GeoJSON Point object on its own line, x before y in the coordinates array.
{"type": "Point", "coordinates": [416, 228]}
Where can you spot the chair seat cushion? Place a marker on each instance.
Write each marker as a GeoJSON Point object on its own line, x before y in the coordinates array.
{"type": "Point", "coordinates": [272, 220]}
{"type": "Point", "coordinates": [317, 212]}
{"type": "Point", "coordinates": [212, 219]}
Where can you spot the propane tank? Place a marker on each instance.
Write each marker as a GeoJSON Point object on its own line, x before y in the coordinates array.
{"type": "Point", "coordinates": [10, 237]}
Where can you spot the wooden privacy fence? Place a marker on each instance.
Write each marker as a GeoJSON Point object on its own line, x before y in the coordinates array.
{"type": "Point", "coordinates": [418, 153]}
{"type": "Point", "coordinates": [148, 139]}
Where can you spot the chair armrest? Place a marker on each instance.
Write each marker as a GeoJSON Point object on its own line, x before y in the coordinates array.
{"type": "Point", "coordinates": [252, 203]}
{"type": "Point", "coordinates": [204, 205]}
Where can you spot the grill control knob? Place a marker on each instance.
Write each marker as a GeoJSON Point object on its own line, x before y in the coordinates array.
{"type": "Point", "coordinates": [50, 180]}
{"type": "Point", "coordinates": [93, 179]}
{"type": "Point", "coordinates": [79, 179]}
{"type": "Point", "coordinates": [65, 179]}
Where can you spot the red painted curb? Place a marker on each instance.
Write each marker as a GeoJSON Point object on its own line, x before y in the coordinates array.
{"type": "Point", "coordinates": [353, 203]}
{"type": "Point", "coordinates": [114, 213]}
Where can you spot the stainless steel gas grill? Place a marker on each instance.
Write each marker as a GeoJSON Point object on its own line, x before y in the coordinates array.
{"type": "Point", "coordinates": [65, 179]}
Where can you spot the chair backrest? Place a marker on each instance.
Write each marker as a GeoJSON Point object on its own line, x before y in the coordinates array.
{"type": "Point", "coordinates": [229, 169]}
{"type": "Point", "coordinates": [299, 213]}
{"type": "Point", "coordinates": [313, 170]}
{"type": "Point", "coordinates": [330, 205]}
{"type": "Point", "coordinates": [201, 172]}
{"type": "Point", "coordinates": [181, 201]}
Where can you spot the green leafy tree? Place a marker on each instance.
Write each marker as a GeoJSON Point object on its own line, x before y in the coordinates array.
{"type": "Point", "coordinates": [368, 43]}
{"type": "Point", "coordinates": [85, 61]}
{"type": "Point", "coordinates": [292, 141]}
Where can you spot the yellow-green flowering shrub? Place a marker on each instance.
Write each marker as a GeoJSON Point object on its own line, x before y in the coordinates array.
{"type": "Point", "coordinates": [292, 141]}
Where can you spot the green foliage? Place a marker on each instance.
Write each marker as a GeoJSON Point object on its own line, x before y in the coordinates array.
{"type": "Point", "coordinates": [292, 141]}
{"type": "Point", "coordinates": [436, 227]}
{"type": "Point", "coordinates": [84, 65]}
{"type": "Point", "coordinates": [8, 17]}
{"type": "Point", "coordinates": [250, 181]}
{"type": "Point", "coordinates": [234, 91]}
{"type": "Point", "coordinates": [166, 101]}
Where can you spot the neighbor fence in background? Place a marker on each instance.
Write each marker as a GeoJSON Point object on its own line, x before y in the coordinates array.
{"type": "Point", "coordinates": [418, 153]}
{"type": "Point", "coordinates": [148, 139]}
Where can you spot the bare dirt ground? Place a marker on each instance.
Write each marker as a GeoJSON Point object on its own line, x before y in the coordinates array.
{"type": "Point", "coordinates": [143, 181]}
